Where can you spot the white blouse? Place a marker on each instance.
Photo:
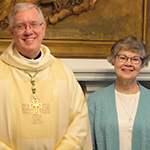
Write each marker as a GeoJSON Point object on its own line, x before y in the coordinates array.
{"type": "Point", "coordinates": [126, 109]}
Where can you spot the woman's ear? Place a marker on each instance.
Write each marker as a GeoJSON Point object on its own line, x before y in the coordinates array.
{"type": "Point", "coordinates": [113, 61]}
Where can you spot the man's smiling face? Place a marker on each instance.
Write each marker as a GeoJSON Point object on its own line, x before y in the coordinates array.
{"type": "Point", "coordinates": [28, 40]}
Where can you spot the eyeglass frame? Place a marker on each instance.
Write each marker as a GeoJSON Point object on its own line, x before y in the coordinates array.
{"type": "Point", "coordinates": [131, 59]}
{"type": "Point", "coordinates": [24, 26]}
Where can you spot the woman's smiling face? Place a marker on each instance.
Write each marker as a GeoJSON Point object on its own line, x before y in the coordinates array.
{"type": "Point", "coordinates": [127, 70]}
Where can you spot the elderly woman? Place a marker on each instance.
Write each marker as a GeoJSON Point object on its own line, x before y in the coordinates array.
{"type": "Point", "coordinates": [120, 113]}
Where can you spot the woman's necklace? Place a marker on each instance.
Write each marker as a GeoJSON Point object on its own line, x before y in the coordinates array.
{"type": "Point", "coordinates": [35, 105]}
{"type": "Point", "coordinates": [121, 98]}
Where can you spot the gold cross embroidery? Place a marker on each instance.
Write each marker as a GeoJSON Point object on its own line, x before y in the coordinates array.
{"type": "Point", "coordinates": [36, 109]}
{"type": "Point", "coordinates": [35, 105]}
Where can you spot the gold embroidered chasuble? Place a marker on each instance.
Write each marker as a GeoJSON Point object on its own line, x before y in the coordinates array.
{"type": "Point", "coordinates": [58, 120]}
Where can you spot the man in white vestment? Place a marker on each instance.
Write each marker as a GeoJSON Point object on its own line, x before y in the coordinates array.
{"type": "Point", "coordinates": [42, 106]}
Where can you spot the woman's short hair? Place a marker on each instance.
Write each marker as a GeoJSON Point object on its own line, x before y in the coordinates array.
{"type": "Point", "coordinates": [20, 7]}
{"type": "Point", "coordinates": [131, 44]}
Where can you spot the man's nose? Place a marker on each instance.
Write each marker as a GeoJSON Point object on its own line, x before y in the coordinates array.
{"type": "Point", "coordinates": [28, 29]}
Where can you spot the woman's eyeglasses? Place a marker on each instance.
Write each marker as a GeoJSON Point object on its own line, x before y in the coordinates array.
{"type": "Point", "coordinates": [134, 60]}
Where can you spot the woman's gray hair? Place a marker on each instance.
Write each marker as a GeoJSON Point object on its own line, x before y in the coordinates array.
{"type": "Point", "coordinates": [131, 44]}
{"type": "Point", "coordinates": [20, 7]}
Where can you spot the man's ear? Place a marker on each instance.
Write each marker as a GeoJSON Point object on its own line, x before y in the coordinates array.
{"type": "Point", "coordinates": [11, 31]}
{"type": "Point", "coordinates": [44, 28]}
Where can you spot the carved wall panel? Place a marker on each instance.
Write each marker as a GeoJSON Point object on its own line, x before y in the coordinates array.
{"type": "Point", "coordinates": [85, 28]}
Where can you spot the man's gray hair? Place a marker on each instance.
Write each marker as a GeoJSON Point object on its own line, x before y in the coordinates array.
{"type": "Point", "coordinates": [20, 7]}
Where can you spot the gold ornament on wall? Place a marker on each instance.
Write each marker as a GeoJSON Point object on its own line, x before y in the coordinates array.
{"type": "Point", "coordinates": [56, 10]}
{"type": "Point", "coordinates": [53, 10]}
{"type": "Point", "coordinates": [84, 28]}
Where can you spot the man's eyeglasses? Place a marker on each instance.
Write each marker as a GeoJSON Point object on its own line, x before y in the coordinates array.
{"type": "Point", "coordinates": [134, 60]}
{"type": "Point", "coordinates": [22, 27]}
